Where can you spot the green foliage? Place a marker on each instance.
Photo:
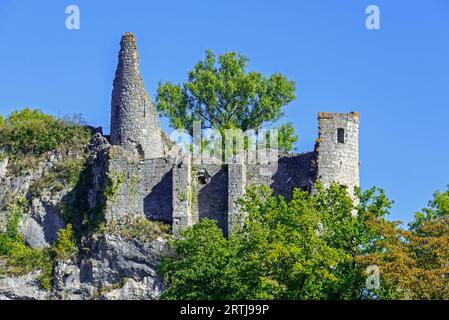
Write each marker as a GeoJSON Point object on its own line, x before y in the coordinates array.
{"type": "Point", "coordinates": [75, 207]}
{"type": "Point", "coordinates": [223, 95]}
{"type": "Point", "coordinates": [20, 259]}
{"type": "Point", "coordinates": [28, 136]}
{"type": "Point", "coordinates": [65, 247]}
{"type": "Point", "coordinates": [285, 135]}
{"type": "Point", "coordinates": [23, 163]}
{"type": "Point", "coordinates": [437, 208]}
{"type": "Point", "coordinates": [197, 266]}
{"type": "Point", "coordinates": [183, 196]}
{"type": "Point", "coordinates": [11, 236]}
{"type": "Point", "coordinates": [30, 132]}
{"type": "Point", "coordinates": [305, 248]}
{"type": "Point", "coordinates": [416, 266]}
{"type": "Point", "coordinates": [113, 183]}
{"type": "Point", "coordinates": [24, 259]}
{"type": "Point", "coordinates": [131, 185]}
{"type": "Point", "coordinates": [76, 210]}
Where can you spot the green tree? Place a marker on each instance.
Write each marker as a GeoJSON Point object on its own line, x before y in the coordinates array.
{"type": "Point", "coordinates": [413, 263]}
{"type": "Point", "coordinates": [305, 248]}
{"type": "Point", "coordinates": [437, 208]}
{"type": "Point", "coordinates": [222, 95]}
{"type": "Point", "coordinates": [198, 264]}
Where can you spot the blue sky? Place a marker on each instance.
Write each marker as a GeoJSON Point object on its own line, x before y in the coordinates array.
{"type": "Point", "coordinates": [396, 77]}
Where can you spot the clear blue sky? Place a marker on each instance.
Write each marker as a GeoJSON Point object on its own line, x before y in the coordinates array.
{"type": "Point", "coordinates": [396, 77]}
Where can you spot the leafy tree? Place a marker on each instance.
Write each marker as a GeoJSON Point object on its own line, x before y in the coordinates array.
{"type": "Point", "coordinates": [437, 208]}
{"type": "Point", "coordinates": [415, 262]}
{"type": "Point", "coordinates": [223, 95]}
{"type": "Point", "coordinates": [11, 235]}
{"type": "Point", "coordinates": [305, 248]}
{"type": "Point", "coordinates": [198, 264]}
{"type": "Point", "coordinates": [389, 253]}
{"type": "Point", "coordinates": [286, 137]}
{"type": "Point", "coordinates": [315, 246]}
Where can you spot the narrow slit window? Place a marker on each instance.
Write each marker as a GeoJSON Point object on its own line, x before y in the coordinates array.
{"type": "Point", "coordinates": [341, 135]}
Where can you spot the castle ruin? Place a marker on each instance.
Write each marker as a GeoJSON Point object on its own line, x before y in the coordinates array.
{"type": "Point", "coordinates": [152, 183]}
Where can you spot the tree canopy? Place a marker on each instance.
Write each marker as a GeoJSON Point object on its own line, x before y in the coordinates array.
{"type": "Point", "coordinates": [222, 94]}
{"type": "Point", "coordinates": [414, 263]}
{"type": "Point", "coordinates": [315, 246]}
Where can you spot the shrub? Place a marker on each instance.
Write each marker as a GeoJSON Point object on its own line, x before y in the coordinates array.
{"type": "Point", "coordinates": [65, 247]}
{"type": "Point", "coordinates": [30, 132]}
{"type": "Point", "coordinates": [21, 259]}
{"type": "Point", "coordinates": [11, 236]}
{"type": "Point", "coordinates": [24, 259]}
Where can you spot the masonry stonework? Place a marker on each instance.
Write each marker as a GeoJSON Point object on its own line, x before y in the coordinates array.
{"type": "Point", "coordinates": [337, 149]}
{"type": "Point", "coordinates": [182, 180]}
{"type": "Point", "coordinates": [149, 184]}
{"type": "Point", "coordinates": [134, 122]}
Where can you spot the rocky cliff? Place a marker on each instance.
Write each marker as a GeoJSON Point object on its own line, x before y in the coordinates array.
{"type": "Point", "coordinates": [90, 259]}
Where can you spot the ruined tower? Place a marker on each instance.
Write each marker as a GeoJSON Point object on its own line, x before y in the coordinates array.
{"type": "Point", "coordinates": [337, 149]}
{"type": "Point", "coordinates": [180, 192]}
{"type": "Point", "coordinates": [134, 122]}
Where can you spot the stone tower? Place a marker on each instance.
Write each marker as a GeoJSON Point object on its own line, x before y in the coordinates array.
{"type": "Point", "coordinates": [337, 149]}
{"type": "Point", "coordinates": [134, 122]}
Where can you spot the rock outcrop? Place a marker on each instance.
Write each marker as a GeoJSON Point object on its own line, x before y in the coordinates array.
{"type": "Point", "coordinates": [108, 265]}
{"type": "Point", "coordinates": [24, 287]}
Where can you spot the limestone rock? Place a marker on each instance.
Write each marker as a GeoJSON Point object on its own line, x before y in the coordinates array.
{"type": "Point", "coordinates": [115, 258]}
{"type": "Point", "coordinates": [147, 289]}
{"type": "Point", "coordinates": [69, 283]}
{"type": "Point", "coordinates": [41, 225]}
{"type": "Point", "coordinates": [3, 167]}
{"type": "Point", "coordinates": [22, 288]}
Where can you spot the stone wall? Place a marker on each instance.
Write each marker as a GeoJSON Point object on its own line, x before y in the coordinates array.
{"type": "Point", "coordinates": [182, 195]}
{"type": "Point", "coordinates": [236, 190]}
{"type": "Point", "coordinates": [212, 190]}
{"type": "Point", "coordinates": [292, 171]}
{"type": "Point", "coordinates": [139, 187]}
{"type": "Point", "coordinates": [209, 193]}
